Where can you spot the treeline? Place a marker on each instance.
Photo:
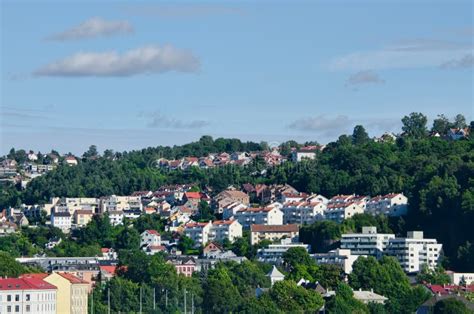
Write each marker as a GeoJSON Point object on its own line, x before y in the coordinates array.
{"type": "Point", "coordinates": [435, 174]}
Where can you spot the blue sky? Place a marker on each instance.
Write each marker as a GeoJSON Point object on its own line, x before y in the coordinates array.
{"type": "Point", "coordinates": [127, 75]}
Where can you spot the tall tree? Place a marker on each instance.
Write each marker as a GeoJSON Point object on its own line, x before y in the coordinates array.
{"type": "Point", "coordinates": [360, 136]}
{"type": "Point", "coordinates": [441, 124]}
{"type": "Point", "coordinates": [414, 125]}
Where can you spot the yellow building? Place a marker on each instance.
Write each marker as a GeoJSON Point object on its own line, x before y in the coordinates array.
{"type": "Point", "coordinates": [83, 217]}
{"type": "Point", "coordinates": [72, 293]}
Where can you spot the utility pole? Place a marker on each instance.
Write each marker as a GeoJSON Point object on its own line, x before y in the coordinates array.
{"type": "Point", "coordinates": [92, 302]}
{"type": "Point", "coordinates": [154, 299]}
{"type": "Point", "coordinates": [166, 298]}
{"type": "Point", "coordinates": [184, 301]}
{"type": "Point", "coordinates": [192, 303]}
{"type": "Point", "coordinates": [108, 301]}
{"type": "Point", "coordinates": [140, 299]}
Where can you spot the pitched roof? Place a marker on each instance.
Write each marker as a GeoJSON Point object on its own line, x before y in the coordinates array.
{"type": "Point", "coordinates": [154, 232]}
{"type": "Point", "coordinates": [193, 195]}
{"type": "Point", "coordinates": [275, 273]}
{"type": "Point", "coordinates": [72, 279]}
{"type": "Point", "coordinates": [27, 283]}
{"type": "Point", "coordinates": [274, 228]}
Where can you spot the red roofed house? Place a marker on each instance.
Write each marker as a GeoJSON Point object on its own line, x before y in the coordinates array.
{"type": "Point", "coordinates": [150, 237]}
{"type": "Point", "coordinates": [225, 230]}
{"type": "Point", "coordinates": [27, 295]}
{"type": "Point", "coordinates": [270, 215]}
{"type": "Point", "coordinates": [198, 232]}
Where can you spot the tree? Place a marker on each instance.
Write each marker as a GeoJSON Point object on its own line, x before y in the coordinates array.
{"type": "Point", "coordinates": [459, 121]}
{"type": "Point", "coordinates": [344, 302]}
{"type": "Point", "coordinates": [435, 276]}
{"type": "Point", "coordinates": [185, 244]}
{"type": "Point", "coordinates": [414, 125]}
{"type": "Point", "coordinates": [360, 136]}
{"type": "Point", "coordinates": [222, 295]}
{"type": "Point", "coordinates": [9, 267]}
{"type": "Point", "coordinates": [91, 152]}
{"type": "Point", "coordinates": [441, 125]}
{"type": "Point", "coordinates": [295, 299]}
{"type": "Point", "coordinates": [450, 306]}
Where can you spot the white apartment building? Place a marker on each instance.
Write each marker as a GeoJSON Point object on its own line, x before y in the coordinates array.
{"type": "Point", "coordinates": [79, 203]}
{"type": "Point", "coordinates": [115, 217]}
{"type": "Point", "coordinates": [394, 204]}
{"type": "Point", "coordinates": [230, 210]}
{"type": "Point", "coordinates": [27, 295]}
{"type": "Point", "coordinates": [150, 237]}
{"type": "Point", "coordinates": [414, 251]}
{"type": "Point", "coordinates": [121, 203]}
{"type": "Point", "coordinates": [225, 229]}
{"type": "Point", "coordinates": [274, 252]}
{"type": "Point", "coordinates": [259, 216]}
{"type": "Point", "coordinates": [339, 211]}
{"type": "Point", "coordinates": [61, 220]}
{"type": "Point", "coordinates": [369, 242]}
{"type": "Point", "coordinates": [302, 212]}
{"type": "Point", "coordinates": [340, 257]}
{"type": "Point", "coordinates": [273, 232]}
{"type": "Point", "coordinates": [204, 232]}
{"type": "Point", "coordinates": [198, 232]}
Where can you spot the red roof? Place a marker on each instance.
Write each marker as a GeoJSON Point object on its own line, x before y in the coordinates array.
{"type": "Point", "coordinates": [105, 250]}
{"type": "Point", "coordinates": [153, 232]}
{"type": "Point", "coordinates": [27, 283]}
{"type": "Point", "coordinates": [72, 279]}
{"type": "Point", "coordinates": [449, 289]}
{"type": "Point", "coordinates": [109, 269]}
{"type": "Point", "coordinates": [193, 195]}
{"type": "Point", "coordinates": [223, 222]}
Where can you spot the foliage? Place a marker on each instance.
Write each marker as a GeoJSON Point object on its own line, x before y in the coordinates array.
{"type": "Point", "coordinates": [9, 267]}
{"type": "Point", "coordinates": [435, 276]}
{"type": "Point", "coordinates": [344, 302]}
{"type": "Point", "coordinates": [450, 306]}
{"type": "Point", "coordinates": [290, 297]}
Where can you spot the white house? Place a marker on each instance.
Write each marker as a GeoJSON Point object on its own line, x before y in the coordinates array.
{"type": "Point", "coordinates": [394, 204]}
{"type": "Point", "coordinates": [259, 216]}
{"type": "Point", "coordinates": [71, 161]}
{"type": "Point", "coordinates": [302, 212]}
{"type": "Point", "coordinates": [121, 203]}
{"type": "Point", "coordinates": [275, 275]}
{"type": "Point", "coordinates": [225, 229]}
{"type": "Point", "coordinates": [274, 252]}
{"type": "Point", "coordinates": [414, 251]}
{"type": "Point", "coordinates": [369, 242]}
{"type": "Point", "coordinates": [340, 257]}
{"type": "Point", "coordinates": [61, 220]}
{"type": "Point", "coordinates": [340, 211]}
{"type": "Point", "coordinates": [461, 278]}
{"type": "Point", "coordinates": [231, 209]}
{"type": "Point", "coordinates": [27, 295]}
{"type": "Point", "coordinates": [369, 297]}
{"type": "Point", "coordinates": [150, 237]}
{"type": "Point", "coordinates": [116, 217]}
{"type": "Point", "coordinates": [273, 232]}
{"type": "Point", "coordinates": [198, 232]}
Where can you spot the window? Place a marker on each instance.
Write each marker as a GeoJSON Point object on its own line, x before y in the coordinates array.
{"type": "Point", "coordinates": [17, 297]}
{"type": "Point", "coordinates": [9, 298]}
{"type": "Point", "coordinates": [28, 297]}
{"type": "Point", "coordinates": [9, 309]}
{"type": "Point", "coordinates": [17, 308]}
{"type": "Point", "coordinates": [27, 308]}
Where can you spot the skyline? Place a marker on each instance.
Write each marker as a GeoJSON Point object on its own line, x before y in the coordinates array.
{"type": "Point", "coordinates": [128, 76]}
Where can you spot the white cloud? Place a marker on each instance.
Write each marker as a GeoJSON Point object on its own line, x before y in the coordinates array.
{"type": "Point", "coordinates": [144, 60]}
{"type": "Point", "coordinates": [364, 77]}
{"type": "Point", "coordinates": [159, 120]}
{"type": "Point", "coordinates": [465, 62]}
{"type": "Point", "coordinates": [321, 124]}
{"type": "Point", "coordinates": [94, 27]}
{"type": "Point", "coordinates": [407, 54]}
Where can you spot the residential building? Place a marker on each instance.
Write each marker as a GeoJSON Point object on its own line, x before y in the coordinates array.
{"type": "Point", "coordinates": [27, 295]}
{"type": "Point", "coordinates": [225, 230]}
{"type": "Point", "coordinates": [273, 232]}
{"type": "Point", "coordinates": [270, 215]}
{"type": "Point", "coordinates": [184, 265]}
{"type": "Point", "coordinates": [303, 212]}
{"type": "Point", "coordinates": [82, 217]}
{"type": "Point", "coordinates": [414, 251]}
{"type": "Point", "coordinates": [369, 297]}
{"type": "Point", "coordinates": [198, 232]}
{"type": "Point", "coordinates": [150, 237]}
{"type": "Point", "coordinates": [227, 197]}
{"type": "Point", "coordinates": [72, 293]}
{"type": "Point", "coordinates": [394, 204]}
{"type": "Point", "coordinates": [369, 242]}
{"type": "Point", "coordinates": [339, 257]}
{"type": "Point", "coordinates": [275, 275]}
{"type": "Point", "coordinates": [115, 217]}
{"type": "Point", "coordinates": [274, 252]}
{"type": "Point", "coordinates": [428, 306]}
{"type": "Point", "coordinates": [461, 278]}
{"type": "Point", "coordinates": [121, 203]}
{"type": "Point", "coordinates": [339, 211]}
{"type": "Point", "coordinates": [61, 220]}
{"type": "Point", "coordinates": [458, 133]}
{"type": "Point", "coordinates": [70, 161]}
{"type": "Point", "coordinates": [307, 152]}
{"type": "Point", "coordinates": [231, 209]}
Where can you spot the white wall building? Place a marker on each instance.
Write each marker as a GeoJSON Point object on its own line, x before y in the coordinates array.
{"type": "Point", "coordinates": [340, 257]}
{"type": "Point", "coordinates": [459, 278]}
{"type": "Point", "coordinates": [303, 212]}
{"type": "Point", "coordinates": [121, 203]}
{"type": "Point", "coordinates": [61, 220]}
{"type": "Point", "coordinates": [225, 229]}
{"type": "Point", "coordinates": [230, 210]}
{"type": "Point", "coordinates": [369, 242]}
{"type": "Point", "coordinates": [115, 217]}
{"type": "Point", "coordinates": [395, 204]}
{"type": "Point", "coordinates": [198, 232]}
{"type": "Point", "coordinates": [150, 237]}
{"type": "Point", "coordinates": [274, 252]}
{"type": "Point", "coordinates": [27, 295]}
{"type": "Point", "coordinates": [340, 211]}
{"type": "Point", "coordinates": [414, 251]}
{"type": "Point", "coordinates": [260, 216]}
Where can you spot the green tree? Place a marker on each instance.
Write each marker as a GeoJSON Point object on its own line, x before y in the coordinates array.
{"type": "Point", "coordinates": [435, 276]}
{"type": "Point", "coordinates": [360, 136]}
{"type": "Point", "coordinates": [414, 125]}
{"type": "Point", "coordinates": [441, 125]}
{"type": "Point", "coordinates": [222, 295]}
{"type": "Point", "coordinates": [450, 306]}
{"type": "Point", "coordinates": [9, 267]}
{"type": "Point", "coordinates": [295, 299]}
{"type": "Point", "coordinates": [344, 302]}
